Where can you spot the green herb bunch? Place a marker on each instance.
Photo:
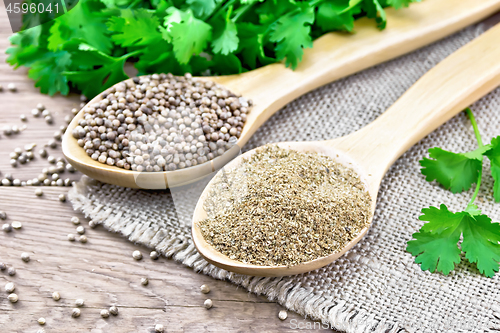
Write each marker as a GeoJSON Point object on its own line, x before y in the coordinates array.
{"type": "Point", "coordinates": [436, 244]}
{"type": "Point", "coordinates": [88, 47]}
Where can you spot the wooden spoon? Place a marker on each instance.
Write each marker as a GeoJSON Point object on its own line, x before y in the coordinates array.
{"type": "Point", "coordinates": [334, 55]}
{"type": "Point", "coordinates": [456, 82]}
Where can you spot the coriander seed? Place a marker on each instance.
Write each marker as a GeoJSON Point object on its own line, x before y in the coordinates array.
{"type": "Point", "coordinates": [113, 310]}
{"type": "Point", "coordinates": [35, 113]}
{"type": "Point", "coordinates": [10, 287]}
{"type": "Point", "coordinates": [7, 227]}
{"type": "Point", "coordinates": [17, 225]}
{"type": "Point", "coordinates": [71, 237]}
{"type": "Point", "coordinates": [282, 315]}
{"type": "Point", "coordinates": [56, 296]}
{"type": "Point", "coordinates": [75, 313]}
{"type": "Point", "coordinates": [25, 257]}
{"type": "Point", "coordinates": [80, 230]}
{"type": "Point", "coordinates": [154, 255]}
{"type": "Point", "coordinates": [92, 224]}
{"type": "Point", "coordinates": [62, 197]}
{"type": "Point", "coordinates": [79, 302]}
{"type": "Point", "coordinates": [208, 303]}
{"type": "Point", "coordinates": [159, 328]}
{"type": "Point", "coordinates": [41, 321]}
{"type": "Point", "coordinates": [49, 120]}
{"type": "Point", "coordinates": [3, 266]}
{"type": "Point", "coordinates": [52, 144]}
{"type": "Point", "coordinates": [17, 182]}
{"type": "Point", "coordinates": [205, 289]}
{"type": "Point", "coordinates": [75, 220]}
{"type": "Point", "coordinates": [11, 271]}
{"type": "Point", "coordinates": [3, 215]}
{"type": "Point", "coordinates": [137, 255]}
{"type": "Point", "coordinates": [144, 281]}
{"type": "Point", "coordinates": [38, 192]}
{"type": "Point", "coordinates": [83, 239]}
{"type": "Point", "coordinates": [12, 87]}
{"type": "Point", "coordinates": [40, 106]}
{"type": "Point", "coordinates": [41, 330]}
{"type": "Point", "coordinates": [13, 298]}
{"type": "Point", "coordinates": [23, 117]}
{"type": "Point", "coordinates": [51, 159]}
{"type": "Point", "coordinates": [104, 313]}
{"type": "Point", "coordinates": [42, 153]}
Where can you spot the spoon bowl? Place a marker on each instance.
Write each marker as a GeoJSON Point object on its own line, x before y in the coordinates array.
{"type": "Point", "coordinates": [453, 84]}
{"type": "Point", "coordinates": [334, 55]}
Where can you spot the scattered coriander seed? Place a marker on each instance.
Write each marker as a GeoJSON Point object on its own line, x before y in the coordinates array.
{"type": "Point", "coordinates": [41, 321]}
{"type": "Point", "coordinates": [35, 182]}
{"type": "Point", "coordinates": [1, 87]}
{"type": "Point", "coordinates": [16, 182]}
{"type": "Point", "coordinates": [40, 106]}
{"type": "Point", "coordinates": [75, 313]}
{"type": "Point", "coordinates": [92, 224]}
{"type": "Point", "coordinates": [7, 130]}
{"type": "Point", "coordinates": [67, 182]}
{"type": "Point", "coordinates": [13, 298]}
{"type": "Point", "coordinates": [51, 159]}
{"type": "Point", "coordinates": [3, 215]}
{"type": "Point", "coordinates": [80, 230]}
{"type": "Point", "coordinates": [154, 255]}
{"type": "Point", "coordinates": [83, 239]}
{"type": "Point", "coordinates": [159, 328]}
{"type": "Point", "coordinates": [79, 302]}
{"type": "Point", "coordinates": [6, 182]}
{"type": "Point", "coordinates": [55, 176]}
{"type": "Point", "coordinates": [17, 225]}
{"type": "Point", "coordinates": [25, 257]}
{"type": "Point", "coordinates": [10, 287]}
{"type": "Point", "coordinates": [46, 182]}
{"type": "Point", "coordinates": [74, 111]}
{"type": "Point", "coordinates": [23, 128]}
{"type": "Point", "coordinates": [144, 281]}
{"type": "Point", "coordinates": [137, 255]}
{"type": "Point", "coordinates": [205, 289]}
{"type": "Point", "coordinates": [56, 296]}
{"type": "Point", "coordinates": [11, 271]}
{"type": "Point", "coordinates": [52, 144]}
{"type": "Point", "coordinates": [23, 117]}
{"type": "Point", "coordinates": [30, 155]}
{"type": "Point", "coordinates": [13, 163]}
{"type": "Point", "coordinates": [38, 192]}
{"type": "Point", "coordinates": [42, 153]}
{"type": "Point", "coordinates": [41, 330]}
{"type": "Point", "coordinates": [35, 113]}
{"type": "Point", "coordinates": [30, 146]}
{"type": "Point", "coordinates": [9, 176]}
{"type": "Point", "coordinates": [75, 220]}
{"type": "Point", "coordinates": [282, 315]}
{"type": "Point", "coordinates": [49, 120]}
{"type": "Point", "coordinates": [104, 313]}
{"type": "Point", "coordinates": [71, 237]}
{"type": "Point", "coordinates": [45, 113]}
{"type": "Point", "coordinates": [12, 87]}
{"type": "Point", "coordinates": [13, 156]}
{"type": "Point", "coordinates": [3, 266]}
{"type": "Point", "coordinates": [15, 129]}
{"type": "Point", "coordinates": [70, 168]}
{"type": "Point", "coordinates": [113, 310]}
{"type": "Point", "coordinates": [7, 227]}
{"type": "Point", "coordinates": [62, 197]}
{"type": "Point", "coordinates": [208, 303]}
{"type": "Point", "coordinates": [58, 135]}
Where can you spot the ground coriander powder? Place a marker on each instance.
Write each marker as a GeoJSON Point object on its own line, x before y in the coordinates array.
{"type": "Point", "coordinates": [284, 207]}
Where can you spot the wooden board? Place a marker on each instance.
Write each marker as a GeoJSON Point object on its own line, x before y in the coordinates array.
{"type": "Point", "coordinates": [102, 272]}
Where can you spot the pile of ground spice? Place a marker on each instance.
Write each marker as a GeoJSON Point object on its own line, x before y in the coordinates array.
{"type": "Point", "coordinates": [161, 122]}
{"type": "Point", "coordinates": [283, 207]}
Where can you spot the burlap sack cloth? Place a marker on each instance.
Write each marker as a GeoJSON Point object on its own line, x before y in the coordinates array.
{"type": "Point", "coordinates": [376, 286]}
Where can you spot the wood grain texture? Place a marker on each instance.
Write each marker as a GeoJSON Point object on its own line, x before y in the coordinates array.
{"type": "Point", "coordinates": [102, 272]}
{"type": "Point", "coordinates": [333, 56]}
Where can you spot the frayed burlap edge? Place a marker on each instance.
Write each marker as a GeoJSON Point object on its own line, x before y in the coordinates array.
{"type": "Point", "coordinates": [334, 313]}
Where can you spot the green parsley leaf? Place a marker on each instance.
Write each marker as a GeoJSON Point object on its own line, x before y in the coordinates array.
{"type": "Point", "coordinates": [226, 39]}
{"type": "Point", "coordinates": [26, 48]}
{"type": "Point", "coordinates": [494, 156]}
{"type": "Point", "coordinates": [400, 3]}
{"type": "Point", "coordinates": [439, 219]}
{"type": "Point", "coordinates": [480, 243]}
{"type": "Point", "coordinates": [135, 28]}
{"type": "Point", "coordinates": [251, 46]}
{"type": "Point", "coordinates": [190, 36]}
{"type": "Point", "coordinates": [292, 34]}
{"type": "Point", "coordinates": [374, 10]}
{"type": "Point", "coordinates": [48, 72]}
{"type": "Point", "coordinates": [455, 171]}
{"type": "Point", "coordinates": [202, 8]}
{"type": "Point", "coordinates": [333, 15]}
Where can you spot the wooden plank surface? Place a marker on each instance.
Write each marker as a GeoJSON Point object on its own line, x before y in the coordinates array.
{"type": "Point", "coordinates": [102, 272]}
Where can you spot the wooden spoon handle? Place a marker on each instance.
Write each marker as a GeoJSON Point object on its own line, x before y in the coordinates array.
{"type": "Point", "coordinates": [337, 55]}
{"type": "Point", "coordinates": [452, 85]}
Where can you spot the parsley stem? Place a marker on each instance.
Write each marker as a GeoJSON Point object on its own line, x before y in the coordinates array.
{"type": "Point", "coordinates": [474, 126]}
{"type": "Point", "coordinates": [480, 144]}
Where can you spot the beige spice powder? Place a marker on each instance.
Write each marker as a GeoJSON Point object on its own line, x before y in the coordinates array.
{"type": "Point", "coordinates": [284, 207]}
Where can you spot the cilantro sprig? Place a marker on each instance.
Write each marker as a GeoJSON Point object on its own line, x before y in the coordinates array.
{"type": "Point", "coordinates": [204, 37]}
{"type": "Point", "coordinates": [436, 244]}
